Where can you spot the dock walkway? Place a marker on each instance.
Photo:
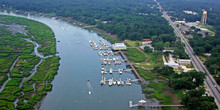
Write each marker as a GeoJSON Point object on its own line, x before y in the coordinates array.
{"type": "Point", "coordinates": [131, 65]}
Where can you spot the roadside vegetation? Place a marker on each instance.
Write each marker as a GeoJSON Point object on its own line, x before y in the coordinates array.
{"type": "Point", "coordinates": [14, 46]}
{"type": "Point", "coordinates": [200, 44]}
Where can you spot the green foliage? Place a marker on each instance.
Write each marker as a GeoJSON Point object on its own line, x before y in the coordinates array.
{"type": "Point", "coordinates": [3, 78]}
{"type": "Point", "coordinates": [48, 87]}
{"type": "Point", "coordinates": [9, 92]}
{"type": "Point", "coordinates": [164, 70]}
{"type": "Point", "coordinates": [145, 74]}
{"type": "Point", "coordinates": [5, 105]}
{"type": "Point", "coordinates": [14, 82]}
{"type": "Point", "coordinates": [158, 91]}
{"type": "Point", "coordinates": [23, 106]}
{"type": "Point", "coordinates": [194, 100]}
{"type": "Point", "coordinates": [180, 51]}
{"type": "Point", "coordinates": [189, 80]}
{"type": "Point", "coordinates": [147, 49]}
{"type": "Point", "coordinates": [47, 68]}
{"type": "Point", "coordinates": [135, 55]}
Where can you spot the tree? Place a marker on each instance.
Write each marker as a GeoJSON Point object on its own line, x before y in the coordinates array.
{"type": "Point", "coordinates": [193, 27]}
{"type": "Point", "coordinates": [159, 46]}
{"type": "Point", "coordinates": [199, 50]}
{"type": "Point", "coordinates": [147, 49]}
{"type": "Point", "coordinates": [167, 44]}
{"type": "Point", "coordinates": [188, 80]}
{"type": "Point", "coordinates": [193, 100]}
{"type": "Point", "coordinates": [164, 70]}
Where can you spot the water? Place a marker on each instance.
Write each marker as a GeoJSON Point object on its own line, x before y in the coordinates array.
{"type": "Point", "coordinates": [80, 63]}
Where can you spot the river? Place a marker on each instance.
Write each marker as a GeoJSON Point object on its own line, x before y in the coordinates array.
{"type": "Point", "coordinates": [80, 63]}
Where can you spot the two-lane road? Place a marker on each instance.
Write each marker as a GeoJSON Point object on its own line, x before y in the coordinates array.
{"type": "Point", "coordinates": [210, 82]}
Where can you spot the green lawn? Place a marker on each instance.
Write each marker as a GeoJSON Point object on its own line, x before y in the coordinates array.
{"type": "Point", "coordinates": [134, 55]}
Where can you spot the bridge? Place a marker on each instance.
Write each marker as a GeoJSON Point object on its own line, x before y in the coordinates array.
{"type": "Point", "coordinates": [131, 65]}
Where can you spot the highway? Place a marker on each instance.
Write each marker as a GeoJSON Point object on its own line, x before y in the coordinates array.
{"type": "Point", "coordinates": [210, 83]}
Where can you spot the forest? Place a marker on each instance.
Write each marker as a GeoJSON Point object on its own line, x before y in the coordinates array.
{"type": "Point", "coordinates": [129, 19]}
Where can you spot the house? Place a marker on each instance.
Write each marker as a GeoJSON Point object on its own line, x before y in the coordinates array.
{"type": "Point", "coordinates": [146, 41]}
{"type": "Point", "coordinates": [119, 46]}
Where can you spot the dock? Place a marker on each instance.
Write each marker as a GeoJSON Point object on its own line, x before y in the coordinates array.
{"type": "Point", "coordinates": [131, 65]}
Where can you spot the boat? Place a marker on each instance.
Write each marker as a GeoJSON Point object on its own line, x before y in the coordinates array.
{"type": "Point", "coordinates": [90, 92]}
{"type": "Point", "coordinates": [128, 82]}
{"type": "Point", "coordinates": [102, 82]}
{"type": "Point", "coordinates": [110, 82]}
{"type": "Point", "coordinates": [120, 71]}
{"type": "Point", "coordinates": [103, 68]}
{"type": "Point", "coordinates": [114, 82]}
{"type": "Point", "coordinates": [142, 101]}
{"type": "Point", "coordinates": [111, 70]}
{"type": "Point", "coordinates": [122, 83]}
{"type": "Point", "coordinates": [100, 53]}
{"type": "Point", "coordinates": [119, 82]}
{"type": "Point", "coordinates": [109, 62]}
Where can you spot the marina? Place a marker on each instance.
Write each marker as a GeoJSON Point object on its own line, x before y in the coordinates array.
{"type": "Point", "coordinates": [107, 58]}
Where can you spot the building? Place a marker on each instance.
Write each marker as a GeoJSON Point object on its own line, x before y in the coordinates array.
{"type": "Point", "coordinates": [174, 65]}
{"type": "Point", "coordinates": [204, 17]}
{"type": "Point", "coordinates": [184, 61]}
{"type": "Point", "coordinates": [180, 22]}
{"type": "Point", "coordinates": [119, 46]}
{"type": "Point", "coordinates": [146, 41]}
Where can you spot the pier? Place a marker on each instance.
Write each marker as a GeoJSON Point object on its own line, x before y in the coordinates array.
{"type": "Point", "coordinates": [131, 65]}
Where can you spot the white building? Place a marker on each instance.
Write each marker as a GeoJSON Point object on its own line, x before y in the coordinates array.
{"type": "Point", "coordinates": [119, 46]}
{"type": "Point", "coordinates": [184, 61]}
{"type": "Point", "coordinates": [174, 65]}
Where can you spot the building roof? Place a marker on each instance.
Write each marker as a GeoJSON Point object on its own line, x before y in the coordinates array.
{"type": "Point", "coordinates": [185, 60]}
{"type": "Point", "coordinates": [171, 64]}
{"type": "Point", "coordinates": [146, 40]}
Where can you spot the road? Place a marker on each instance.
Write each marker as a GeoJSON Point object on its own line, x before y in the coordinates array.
{"type": "Point", "coordinates": [210, 83]}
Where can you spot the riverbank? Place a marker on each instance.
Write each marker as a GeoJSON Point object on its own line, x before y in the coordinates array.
{"type": "Point", "coordinates": [157, 86]}
{"type": "Point", "coordinates": [24, 44]}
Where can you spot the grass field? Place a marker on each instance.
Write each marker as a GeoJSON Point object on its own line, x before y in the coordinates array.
{"type": "Point", "coordinates": [135, 55]}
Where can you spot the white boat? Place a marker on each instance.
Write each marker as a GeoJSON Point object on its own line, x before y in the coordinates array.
{"type": "Point", "coordinates": [90, 92]}
{"type": "Point", "coordinates": [113, 59]}
{"type": "Point", "coordinates": [100, 53]}
{"type": "Point", "coordinates": [110, 82]}
{"type": "Point", "coordinates": [120, 71]}
{"type": "Point", "coordinates": [102, 82]}
{"type": "Point", "coordinates": [122, 83]}
{"type": "Point", "coordinates": [109, 62]}
{"type": "Point", "coordinates": [103, 68]}
{"type": "Point", "coordinates": [119, 82]}
{"type": "Point", "coordinates": [114, 82]}
{"type": "Point", "coordinates": [111, 70]}
{"type": "Point", "coordinates": [142, 101]}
